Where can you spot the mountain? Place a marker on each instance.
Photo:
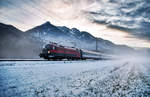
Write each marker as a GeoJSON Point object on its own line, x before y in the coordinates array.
{"type": "Point", "coordinates": [48, 32]}
{"type": "Point", "coordinates": [47, 27]}
{"type": "Point", "coordinates": [17, 44]}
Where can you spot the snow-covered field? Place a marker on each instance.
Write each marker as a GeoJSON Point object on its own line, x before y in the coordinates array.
{"type": "Point", "coordinates": [111, 78]}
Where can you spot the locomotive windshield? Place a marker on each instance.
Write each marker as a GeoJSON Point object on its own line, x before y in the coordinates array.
{"type": "Point", "coordinates": [50, 47]}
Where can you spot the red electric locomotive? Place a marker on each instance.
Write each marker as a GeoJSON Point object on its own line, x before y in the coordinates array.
{"type": "Point", "coordinates": [54, 51]}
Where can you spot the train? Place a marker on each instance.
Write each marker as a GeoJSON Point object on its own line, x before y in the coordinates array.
{"type": "Point", "coordinates": [53, 51]}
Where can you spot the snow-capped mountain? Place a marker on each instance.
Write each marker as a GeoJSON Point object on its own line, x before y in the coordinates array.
{"type": "Point", "coordinates": [17, 44]}
{"type": "Point", "coordinates": [48, 32]}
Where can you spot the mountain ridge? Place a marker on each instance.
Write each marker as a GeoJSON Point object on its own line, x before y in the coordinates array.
{"type": "Point", "coordinates": [72, 35]}
{"type": "Point", "coordinates": [15, 43]}
{"type": "Point", "coordinates": [18, 44]}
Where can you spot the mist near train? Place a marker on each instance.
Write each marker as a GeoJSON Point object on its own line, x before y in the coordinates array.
{"type": "Point", "coordinates": [74, 48]}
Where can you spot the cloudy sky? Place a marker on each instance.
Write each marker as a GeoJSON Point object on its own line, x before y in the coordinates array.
{"type": "Point", "coordinates": [120, 21]}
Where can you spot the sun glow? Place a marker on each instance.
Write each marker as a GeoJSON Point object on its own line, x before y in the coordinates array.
{"type": "Point", "coordinates": [70, 13]}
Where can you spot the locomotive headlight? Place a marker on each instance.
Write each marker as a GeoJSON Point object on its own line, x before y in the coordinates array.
{"type": "Point", "coordinates": [48, 52]}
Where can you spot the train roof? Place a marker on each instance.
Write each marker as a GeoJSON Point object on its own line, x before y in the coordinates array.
{"type": "Point", "coordinates": [93, 52]}
{"type": "Point", "coordinates": [67, 47]}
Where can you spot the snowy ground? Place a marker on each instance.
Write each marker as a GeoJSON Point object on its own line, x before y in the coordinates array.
{"type": "Point", "coordinates": [113, 78]}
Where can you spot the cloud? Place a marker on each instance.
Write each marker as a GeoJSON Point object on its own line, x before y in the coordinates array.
{"type": "Point", "coordinates": [102, 18]}
{"type": "Point", "coordinates": [20, 12]}
{"type": "Point", "coordinates": [126, 15]}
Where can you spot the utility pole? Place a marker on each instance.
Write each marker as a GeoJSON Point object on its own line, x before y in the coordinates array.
{"type": "Point", "coordinates": [96, 44]}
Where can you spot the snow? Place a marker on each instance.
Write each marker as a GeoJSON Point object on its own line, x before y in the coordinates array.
{"type": "Point", "coordinates": [88, 78]}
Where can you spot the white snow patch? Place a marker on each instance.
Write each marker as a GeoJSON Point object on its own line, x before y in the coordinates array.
{"type": "Point", "coordinates": [75, 78]}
